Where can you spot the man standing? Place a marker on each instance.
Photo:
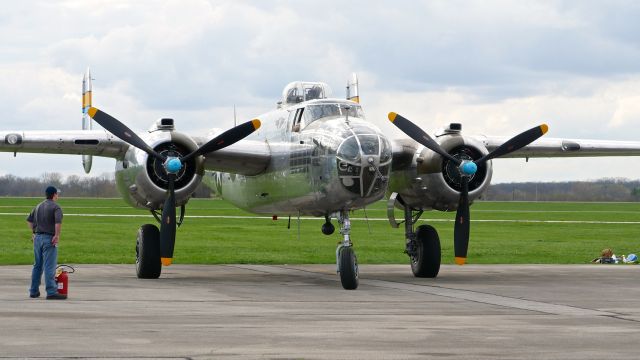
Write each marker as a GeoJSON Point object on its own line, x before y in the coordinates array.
{"type": "Point", "coordinates": [45, 221]}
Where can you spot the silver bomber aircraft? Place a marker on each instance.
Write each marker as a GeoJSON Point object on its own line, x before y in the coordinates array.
{"type": "Point", "coordinates": [312, 155]}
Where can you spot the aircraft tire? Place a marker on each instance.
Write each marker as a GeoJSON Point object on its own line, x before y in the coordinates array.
{"type": "Point", "coordinates": [427, 262]}
{"type": "Point", "coordinates": [348, 268]}
{"type": "Point", "coordinates": [148, 265]}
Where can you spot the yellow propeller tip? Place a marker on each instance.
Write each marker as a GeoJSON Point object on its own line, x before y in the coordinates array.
{"type": "Point", "coordinates": [544, 128]}
{"type": "Point", "coordinates": [92, 111]}
{"type": "Point", "coordinates": [392, 116]}
{"type": "Point", "coordinates": [166, 261]}
{"type": "Point", "coordinates": [460, 260]}
{"type": "Point", "coordinates": [256, 124]}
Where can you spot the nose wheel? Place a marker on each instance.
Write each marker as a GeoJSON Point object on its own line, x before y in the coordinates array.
{"type": "Point", "coordinates": [347, 262]}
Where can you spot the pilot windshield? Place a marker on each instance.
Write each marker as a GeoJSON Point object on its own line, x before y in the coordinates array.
{"type": "Point", "coordinates": [319, 111]}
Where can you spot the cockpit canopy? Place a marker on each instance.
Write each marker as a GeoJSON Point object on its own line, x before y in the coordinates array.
{"type": "Point", "coordinates": [299, 91]}
{"type": "Point", "coordinates": [321, 109]}
{"type": "Point", "coordinates": [317, 111]}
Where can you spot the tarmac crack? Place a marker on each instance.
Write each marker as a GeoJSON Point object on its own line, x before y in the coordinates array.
{"type": "Point", "coordinates": [468, 295]}
{"type": "Point", "coordinates": [491, 299]}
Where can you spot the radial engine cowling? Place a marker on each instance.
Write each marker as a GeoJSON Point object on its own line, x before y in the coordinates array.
{"type": "Point", "coordinates": [435, 183]}
{"type": "Point", "coordinates": [142, 180]}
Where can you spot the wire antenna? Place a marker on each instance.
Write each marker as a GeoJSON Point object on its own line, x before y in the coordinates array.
{"type": "Point", "coordinates": [367, 218]}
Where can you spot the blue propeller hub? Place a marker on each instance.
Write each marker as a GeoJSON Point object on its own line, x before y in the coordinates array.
{"type": "Point", "coordinates": [468, 168]}
{"type": "Point", "coordinates": [173, 165]}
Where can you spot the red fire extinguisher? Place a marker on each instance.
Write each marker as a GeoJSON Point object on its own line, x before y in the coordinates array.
{"type": "Point", "coordinates": [62, 279]}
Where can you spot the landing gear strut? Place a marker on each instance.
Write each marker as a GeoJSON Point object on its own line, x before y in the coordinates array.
{"type": "Point", "coordinates": [422, 245]}
{"type": "Point", "coordinates": [346, 260]}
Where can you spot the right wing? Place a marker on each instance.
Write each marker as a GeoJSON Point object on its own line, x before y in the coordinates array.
{"type": "Point", "coordinates": [74, 142]}
{"type": "Point", "coordinates": [252, 157]}
{"type": "Point", "coordinates": [246, 157]}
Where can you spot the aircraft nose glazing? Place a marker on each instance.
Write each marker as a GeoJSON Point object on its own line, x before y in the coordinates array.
{"type": "Point", "coordinates": [360, 168]}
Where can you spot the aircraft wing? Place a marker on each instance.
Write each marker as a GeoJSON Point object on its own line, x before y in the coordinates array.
{"type": "Point", "coordinates": [75, 142]}
{"type": "Point", "coordinates": [246, 157]}
{"type": "Point", "coordinates": [404, 150]}
{"type": "Point", "coordinates": [556, 147]}
{"type": "Point", "coordinates": [252, 157]}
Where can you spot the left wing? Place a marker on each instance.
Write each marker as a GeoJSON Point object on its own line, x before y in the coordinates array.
{"type": "Point", "coordinates": [557, 147]}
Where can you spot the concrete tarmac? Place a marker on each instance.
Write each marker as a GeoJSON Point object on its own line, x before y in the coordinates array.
{"type": "Point", "coordinates": [302, 312]}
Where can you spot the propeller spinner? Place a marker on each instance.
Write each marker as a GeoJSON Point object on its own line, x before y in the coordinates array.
{"type": "Point", "coordinates": [172, 165]}
{"type": "Point", "coordinates": [467, 169]}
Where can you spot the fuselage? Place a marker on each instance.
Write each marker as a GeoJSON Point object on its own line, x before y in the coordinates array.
{"type": "Point", "coordinates": [325, 157]}
{"type": "Point", "coordinates": [311, 155]}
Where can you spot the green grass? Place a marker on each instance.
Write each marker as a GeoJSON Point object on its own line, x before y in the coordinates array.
{"type": "Point", "coordinates": [111, 240]}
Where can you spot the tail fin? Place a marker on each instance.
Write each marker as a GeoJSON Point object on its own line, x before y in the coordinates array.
{"type": "Point", "coordinates": [86, 119]}
{"type": "Point", "coordinates": [353, 93]}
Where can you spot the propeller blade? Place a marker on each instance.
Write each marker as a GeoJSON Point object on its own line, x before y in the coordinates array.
{"type": "Point", "coordinates": [120, 130]}
{"type": "Point", "coordinates": [417, 134]}
{"type": "Point", "coordinates": [461, 229]}
{"type": "Point", "coordinates": [168, 225]}
{"type": "Point", "coordinates": [515, 143]}
{"type": "Point", "coordinates": [225, 139]}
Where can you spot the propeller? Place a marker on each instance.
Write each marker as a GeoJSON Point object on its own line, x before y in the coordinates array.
{"type": "Point", "coordinates": [122, 131]}
{"type": "Point", "coordinates": [467, 169]}
{"type": "Point", "coordinates": [172, 165]}
{"type": "Point", "coordinates": [168, 225]}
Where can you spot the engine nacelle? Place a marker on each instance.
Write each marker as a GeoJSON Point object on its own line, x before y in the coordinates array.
{"type": "Point", "coordinates": [432, 182]}
{"type": "Point", "coordinates": [142, 180]}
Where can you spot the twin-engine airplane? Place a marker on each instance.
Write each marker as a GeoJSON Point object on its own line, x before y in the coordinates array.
{"type": "Point", "coordinates": [313, 155]}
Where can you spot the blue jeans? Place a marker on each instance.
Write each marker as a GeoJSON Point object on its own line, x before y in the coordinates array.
{"type": "Point", "coordinates": [46, 258]}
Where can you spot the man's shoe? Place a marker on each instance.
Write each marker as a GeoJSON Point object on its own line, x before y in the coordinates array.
{"type": "Point", "coordinates": [56, 296]}
{"type": "Point", "coordinates": [33, 296]}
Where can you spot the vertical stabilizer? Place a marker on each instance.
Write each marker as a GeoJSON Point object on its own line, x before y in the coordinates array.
{"type": "Point", "coordinates": [353, 93]}
{"type": "Point", "coordinates": [86, 119]}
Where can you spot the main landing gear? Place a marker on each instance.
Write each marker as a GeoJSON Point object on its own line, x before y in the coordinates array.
{"type": "Point", "coordinates": [422, 245]}
{"type": "Point", "coordinates": [148, 265]}
{"type": "Point", "coordinates": [346, 260]}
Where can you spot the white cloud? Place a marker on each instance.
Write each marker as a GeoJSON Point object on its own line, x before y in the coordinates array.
{"type": "Point", "coordinates": [498, 67]}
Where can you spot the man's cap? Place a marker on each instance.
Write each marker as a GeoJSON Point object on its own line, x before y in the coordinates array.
{"type": "Point", "coordinates": [51, 190]}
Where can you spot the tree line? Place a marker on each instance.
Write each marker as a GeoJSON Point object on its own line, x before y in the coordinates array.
{"type": "Point", "coordinates": [102, 186]}
{"type": "Point", "coordinates": [105, 186]}
{"type": "Point", "coordinates": [608, 189]}
{"type": "Point", "coordinates": [71, 186]}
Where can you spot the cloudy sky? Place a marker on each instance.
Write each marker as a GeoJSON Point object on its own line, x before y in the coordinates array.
{"type": "Point", "coordinates": [498, 67]}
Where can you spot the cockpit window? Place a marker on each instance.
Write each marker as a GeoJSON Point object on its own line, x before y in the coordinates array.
{"type": "Point", "coordinates": [319, 111]}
